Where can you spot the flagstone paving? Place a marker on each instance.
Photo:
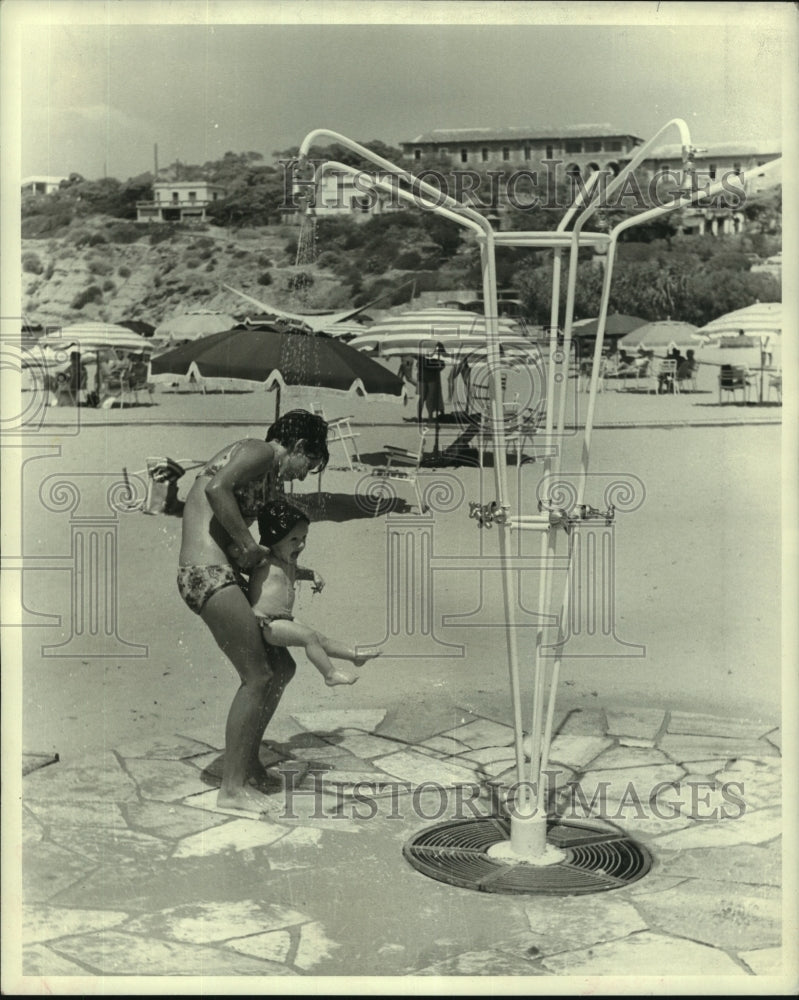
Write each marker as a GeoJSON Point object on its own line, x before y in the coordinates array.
{"type": "Point", "coordinates": [131, 868]}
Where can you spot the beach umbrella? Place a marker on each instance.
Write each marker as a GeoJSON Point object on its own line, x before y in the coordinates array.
{"type": "Point", "coordinates": [95, 337]}
{"type": "Point", "coordinates": [762, 319]}
{"type": "Point", "coordinates": [744, 336]}
{"type": "Point", "coordinates": [139, 326]}
{"type": "Point", "coordinates": [660, 335]}
{"type": "Point", "coordinates": [431, 322]}
{"type": "Point", "coordinates": [617, 325]}
{"type": "Point", "coordinates": [345, 330]}
{"type": "Point", "coordinates": [272, 359]}
{"type": "Point", "coordinates": [192, 325]}
{"type": "Point", "coordinates": [452, 328]}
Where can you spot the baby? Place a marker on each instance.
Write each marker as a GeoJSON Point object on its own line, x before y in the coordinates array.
{"type": "Point", "coordinates": [284, 529]}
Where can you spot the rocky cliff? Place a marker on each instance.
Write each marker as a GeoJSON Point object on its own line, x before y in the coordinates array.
{"type": "Point", "coordinates": [89, 273]}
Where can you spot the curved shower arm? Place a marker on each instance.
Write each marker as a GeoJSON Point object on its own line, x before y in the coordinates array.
{"type": "Point", "coordinates": [380, 161]}
{"type": "Point", "coordinates": [333, 166]}
{"type": "Point", "coordinates": [637, 159]}
{"type": "Point", "coordinates": [688, 198]}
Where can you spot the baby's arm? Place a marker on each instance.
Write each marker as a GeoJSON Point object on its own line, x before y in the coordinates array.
{"type": "Point", "coordinates": [305, 573]}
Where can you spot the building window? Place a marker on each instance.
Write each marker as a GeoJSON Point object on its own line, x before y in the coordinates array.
{"type": "Point", "coordinates": [736, 168]}
{"type": "Point", "coordinates": [573, 146]}
{"type": "Point", "coordinates": [505, 153]}
{"type": "Point", "coordinates": [443, 153]}
{"type": "Point", "coordinates": [464, 156]}
{"type": "Point", "coordinates": [593, 146]}
{"type": "Point", "coordinates": [417, 154]}
{"type": "Point", "coordinates": [526, 152]}
{"type": "Point", "coordinates": [215, 195]}
{"type": "Point", "coordinates": [192, 196]}
{"type": "Point", "coordinates": [484, 154]}
{"type": "Point", "coordinates": [614, 145]}
{"type": "Point", "coordinates": [550, 152]}
{"type": "Point", "coordinates": [175, 197]}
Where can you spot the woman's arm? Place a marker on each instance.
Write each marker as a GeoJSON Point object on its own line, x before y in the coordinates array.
{"type": "Point", "coordinates": [252, 460]}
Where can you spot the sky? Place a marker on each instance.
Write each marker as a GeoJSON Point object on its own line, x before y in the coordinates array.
{"type": "Point", "coordinates": [98, 92]}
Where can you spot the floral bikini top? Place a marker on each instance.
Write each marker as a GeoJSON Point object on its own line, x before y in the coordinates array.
{"type": "Point", "coordinates": [251, 497]}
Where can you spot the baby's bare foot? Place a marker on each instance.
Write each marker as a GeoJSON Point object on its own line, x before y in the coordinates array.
{"type": "Point", "coordinates": [246, 799]}
{"type": "Point", "coordinates": [367, 654]}
{"type": "Point", "coordinates": [340, 677]}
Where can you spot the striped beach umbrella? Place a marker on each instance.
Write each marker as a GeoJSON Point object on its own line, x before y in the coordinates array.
{"type": "Point", "coordinates": [96, 337]}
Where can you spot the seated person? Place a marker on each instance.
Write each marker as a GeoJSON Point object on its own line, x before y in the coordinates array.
{"type": "Point", "coordinates": [626, 363]}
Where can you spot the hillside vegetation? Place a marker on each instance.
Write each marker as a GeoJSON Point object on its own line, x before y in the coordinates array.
{"type": "Point", "coordinates": [83, 257]}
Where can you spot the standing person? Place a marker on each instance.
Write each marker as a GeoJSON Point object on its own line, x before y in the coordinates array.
{"type": "Point", "coordinates": [284, 529]}
{"type": "Point", "coordinates": [463, 369]}
{"type": "Point", "coordinates": [230, 491]}
{"type": "Point", "coordinates": [431, 395]}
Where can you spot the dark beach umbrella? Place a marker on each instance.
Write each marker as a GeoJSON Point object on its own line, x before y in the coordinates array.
{"type": "Point", "coordinates": [268, 358]}
{"type": "Point", "coordinates": [139, 326]}
{"type": "Point", "coordinates": [617, 325]}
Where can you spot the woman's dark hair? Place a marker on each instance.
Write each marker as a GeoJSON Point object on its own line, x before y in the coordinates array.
{"type": "Point", "coordinates": [277, 519]}
{"type": "Point", "coordinates": [300, 425]}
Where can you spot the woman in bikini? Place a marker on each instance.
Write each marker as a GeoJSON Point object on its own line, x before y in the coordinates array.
{"type": "Point", "coordinates": [230, 491]}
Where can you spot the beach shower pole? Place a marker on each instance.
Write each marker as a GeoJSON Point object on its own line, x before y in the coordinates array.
{"type": "Point", "coordinates": [528, 825]}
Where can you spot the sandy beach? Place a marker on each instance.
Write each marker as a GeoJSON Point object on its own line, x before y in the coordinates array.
{"type": "Point", "coordinates": [694, 584]}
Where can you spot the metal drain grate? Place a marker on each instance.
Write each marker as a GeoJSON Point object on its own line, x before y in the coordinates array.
{"type": "Point", "coordinates": [596, 858]}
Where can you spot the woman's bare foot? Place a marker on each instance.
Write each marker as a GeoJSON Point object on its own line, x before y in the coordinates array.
{"type": "Point", "coordinates": [265, 781]}
{"type": "Point", "coordinates": [368, 654]}
{"type": "Point", "coordinates": [339, 676]}
{"type": "Point", "coordinates": [246, 799]}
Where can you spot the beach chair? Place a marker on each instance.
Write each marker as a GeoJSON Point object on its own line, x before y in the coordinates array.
{"type": "Point", "coordinates": [775, 385]}
{"type": "Point", "coordinates": [735, 379]}
{"type": "Point", "coordinates": [162, 473]}
{"type": "Point", "coordinates": [339, 429]}
{"type": "Point", "coordinates": [663, 377]}
{"type": "Point", "coordinates": [402, 465]}
{"type": "Point", "coordinates": [521, 424]}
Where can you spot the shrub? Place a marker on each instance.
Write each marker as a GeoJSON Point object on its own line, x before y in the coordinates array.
{"type": "Point", "coordinates": [31, 263]}
{"type": "Point", "coordinates": [91, 294]}
{"type": "Point", "coordinates": [291, 248]}
{"type": "Point", "coordinates": [408, 261]}
{"type": "Point", "coordinates": [123, 271]}
{"type": "Point", "coordinates": [100, 266]}
{"type": "Point", "coordinates": [299, 281]}
{"type": "Point", "coordinates": [81, 237]}
{"type": "Point", "coordinates": [125, 232]}
{"type": "Point", "coordinates": [264, 261]}
{"type": "Point", "coordinates": [160, 234]}
{"type": "Point", "coordinates": [96, 239]}
{"type": "Point", "coordinates": [192, 262]}
{"type": "Point", "coordinates": [329, 259]}
{"type": "Point", "coordinates": [265, 278]}
{"type": "Point", "coordinates": [109, 286]}
{"type": "Point", "coordinates": [48, 274]}
{"type": "Point", "coordinates": [210, 266]}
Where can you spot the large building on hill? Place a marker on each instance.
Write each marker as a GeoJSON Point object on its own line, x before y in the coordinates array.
{"type": "Point", "coordinates": [178, 201]}
{"type": "Point", "coordinates": [511, 155]}
{"type": "Point", "coordinates": [581, 148]}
